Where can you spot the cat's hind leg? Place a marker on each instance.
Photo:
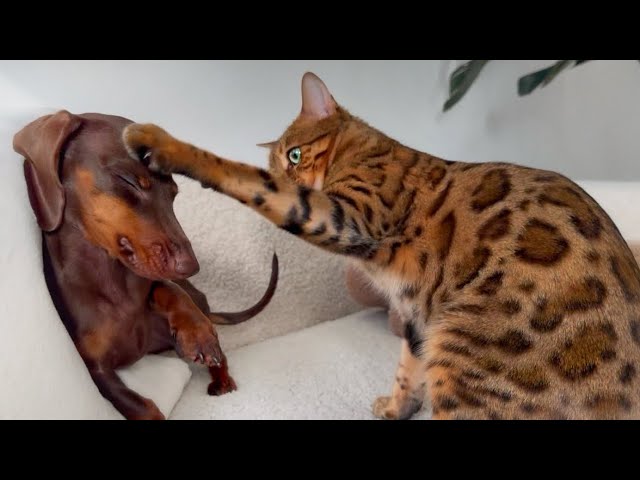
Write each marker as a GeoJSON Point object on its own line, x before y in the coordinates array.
{"type": "Point", "coordinates": [449, 399]}
{"type": "Point", "coordinates": [408, 391]}
{"type": "Point", "coordinates": [469, 378]}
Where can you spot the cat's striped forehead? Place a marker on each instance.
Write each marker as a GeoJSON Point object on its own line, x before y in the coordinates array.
{"type": "Point", "coordinates": [305, 130]}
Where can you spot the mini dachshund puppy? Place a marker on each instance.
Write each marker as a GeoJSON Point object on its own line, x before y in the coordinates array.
{"type": "Point", "coordinates": [115, 257]}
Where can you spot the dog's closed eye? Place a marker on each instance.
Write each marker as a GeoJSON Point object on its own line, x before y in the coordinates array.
{"type": "Point", "coordinates": [130, 181]}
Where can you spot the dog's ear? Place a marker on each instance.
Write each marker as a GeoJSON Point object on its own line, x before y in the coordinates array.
{"type": "Point", "coordinates": [41, 143]}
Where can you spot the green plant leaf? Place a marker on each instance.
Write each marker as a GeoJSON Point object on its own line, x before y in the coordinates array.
{"type": "Point", "coordinates": [541, 78]}
{"type": "Point", "coordinates": [460, 73]}
{"type": "Point", "coordinates": [461, 79]}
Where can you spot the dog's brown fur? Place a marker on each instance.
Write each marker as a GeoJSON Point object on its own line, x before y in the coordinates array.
{"type": "Point", "coordinates": [111, 247]}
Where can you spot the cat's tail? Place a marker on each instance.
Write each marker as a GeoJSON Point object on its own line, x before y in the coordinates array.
{"type": "Point", "coordinates": [233, 318]}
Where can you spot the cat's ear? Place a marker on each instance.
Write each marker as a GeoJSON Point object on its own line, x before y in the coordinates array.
{"type": "Point", "coordinates": [317, 102]}
{"type": "Point", "coordinates": [269, 145]}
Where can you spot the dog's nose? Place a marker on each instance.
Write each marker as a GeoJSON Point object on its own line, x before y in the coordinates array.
{"type": "Point", "coordinates": [186, 264]}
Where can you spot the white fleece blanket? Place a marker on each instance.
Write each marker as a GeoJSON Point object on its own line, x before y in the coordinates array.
{"type": "Point", "coordinates": [329, 371]}
{"type": "Point", "coordinates": [234, 246]}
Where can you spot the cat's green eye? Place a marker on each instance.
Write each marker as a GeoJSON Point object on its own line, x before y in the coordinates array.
{"type": "Point", "coordinates": [295, 155]}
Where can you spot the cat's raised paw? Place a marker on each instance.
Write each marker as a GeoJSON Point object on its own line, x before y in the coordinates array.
{"type": "Point", "coordinates": [148, 143]}
{"type": "Point", "coordinates": [382, 409]}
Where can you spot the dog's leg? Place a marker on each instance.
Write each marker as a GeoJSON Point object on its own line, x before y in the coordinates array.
{"type": "Point", "coordinates": [195, 336]}
{"type": "Point", "coordinates": [199, 298]}
{"type": "Point", "coordinates": [130, 404]}
{"type": "Point", "coordinates": [221, 381]}
{"type": "Point", "coordinates": [191, 330]}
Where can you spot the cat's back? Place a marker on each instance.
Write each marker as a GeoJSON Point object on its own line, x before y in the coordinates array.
{"type": "Point", "coordinates": [539, 291]}
{"type": "Point", "coordinates": [542, 219]}
{"type": "Point", "coordinates": [537, 219]}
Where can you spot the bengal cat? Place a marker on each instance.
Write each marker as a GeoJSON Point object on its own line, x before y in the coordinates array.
{"type": "Point", "coordinates": [519, 297]}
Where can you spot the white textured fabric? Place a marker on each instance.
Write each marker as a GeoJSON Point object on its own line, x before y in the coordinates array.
{"type": "Point", "coordinates": [234, 246]}
{"type": "Point", "coordinates": [329, 371]}
{"type": "Point", "coordinates": [41, 373]}
{"type": "Point", "coordinates": [161, 378]}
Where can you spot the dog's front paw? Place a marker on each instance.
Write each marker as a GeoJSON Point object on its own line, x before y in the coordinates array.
{"type": "Point", "coordinates": [198, 345]}
{"type": "Point", "coordinates": [382, 409]}
{"type": "Point", "coordinates": [150, 144]}
{"type": "Point", "coordinates": [221, 385]}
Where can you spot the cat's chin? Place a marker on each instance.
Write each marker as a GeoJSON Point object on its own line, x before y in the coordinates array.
{"type": "Point", "coordinates": [318, 183]}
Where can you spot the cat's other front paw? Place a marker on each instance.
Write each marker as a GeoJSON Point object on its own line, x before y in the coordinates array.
{"type": "Point", "coordinates": [149, 144]}
{"type": "Point", "coordinates": [382, 409]}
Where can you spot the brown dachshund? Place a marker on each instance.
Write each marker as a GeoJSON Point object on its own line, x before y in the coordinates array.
{"type": "Point", "coordinates": [115, 257]}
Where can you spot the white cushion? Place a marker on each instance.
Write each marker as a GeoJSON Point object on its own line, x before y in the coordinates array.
{"type": "Point", "coordinates": [329, 371]}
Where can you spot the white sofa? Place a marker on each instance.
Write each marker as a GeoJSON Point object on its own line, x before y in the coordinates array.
{"type": "Point", "coordinates": [307, 356]}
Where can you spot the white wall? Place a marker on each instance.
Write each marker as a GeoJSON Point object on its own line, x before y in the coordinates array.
{"type": "Point", "coordinates": [585, 124]}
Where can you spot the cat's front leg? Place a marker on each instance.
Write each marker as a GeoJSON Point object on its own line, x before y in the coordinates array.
{"type": "Point", "coordinates": [409, 388]}
{"type": "Point", "coordinates": [330, 220]}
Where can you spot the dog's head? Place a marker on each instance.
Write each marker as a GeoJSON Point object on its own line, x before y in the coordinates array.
{"type": "Point", "coordinates": [78, 171]}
